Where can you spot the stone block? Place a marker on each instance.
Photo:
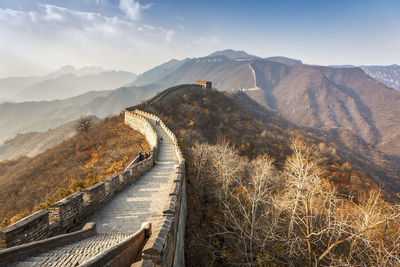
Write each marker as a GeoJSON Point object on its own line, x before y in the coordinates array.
{"type": "Point", "coordinates": [31, 228]}
{"type": "Point", "coordinates": [94, 196]}
{"type": "Point", "coordinates": [125, 178]}
{"type": "Point", "coordinates": [112, 184]}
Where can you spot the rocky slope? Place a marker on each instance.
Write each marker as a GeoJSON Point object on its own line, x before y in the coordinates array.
{"type": "Point", "coordinates": [389, 75]}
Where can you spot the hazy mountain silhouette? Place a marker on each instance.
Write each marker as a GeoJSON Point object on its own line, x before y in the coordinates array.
{"type": "Point", "coordinates": [63, 83]}
{"type": "Point", "coordinates": [40, 116]}
{"type": "Point", "coordinates": [343, 99]}
{"type": "Point", "coordinates": [69, 85]}
{"type": "Point", "coordinates": [32, 143]}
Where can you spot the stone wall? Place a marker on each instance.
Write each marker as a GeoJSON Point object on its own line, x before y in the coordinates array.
{"type": "Point", "coordinates": [165, 246]}
{"type": "Point", "coordinates": [30, 228]}
{"type": "Point", "coordinates": [71, 211]}
{"type": "Point", "coordinates": [124, 253]}
{"type": "Point", "coordinates": [16, 253]}
{"type": "Point", "coordinates": [64, 213]}
{"type": "Point", "coordinates": [142, 125]}
{"type": "Point", "coordinates": [163, 93]}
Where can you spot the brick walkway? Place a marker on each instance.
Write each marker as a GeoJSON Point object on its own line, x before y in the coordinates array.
{"type": "Point", "coordinates": [143, 201]}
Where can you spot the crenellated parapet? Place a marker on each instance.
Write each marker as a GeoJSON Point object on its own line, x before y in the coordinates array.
{"type": "Point", "coordinates": [71, 211]}
{"type": "Point", "coordinates": [165, 246]}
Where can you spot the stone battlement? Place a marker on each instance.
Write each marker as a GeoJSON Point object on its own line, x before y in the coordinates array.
{"type": "Point", "coordinates": [71, 211]}
{"type": "Point", "coordinates": [205, 84]}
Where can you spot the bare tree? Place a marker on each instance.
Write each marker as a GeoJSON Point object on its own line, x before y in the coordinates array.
{"type": "Point", "coordinates": [293, 216]}
{"type": "Point", "coordinates": [83, 125]}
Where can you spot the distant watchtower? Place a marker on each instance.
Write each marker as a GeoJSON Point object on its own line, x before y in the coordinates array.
{"type": "Point", "coordinates": [206, 84]}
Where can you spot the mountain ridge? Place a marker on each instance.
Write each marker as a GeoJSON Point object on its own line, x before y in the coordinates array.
{"type": "Point", "coordinates": [65, 82]}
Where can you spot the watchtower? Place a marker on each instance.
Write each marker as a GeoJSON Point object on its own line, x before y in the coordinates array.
{"type": "Point", "coordinates": [205, 84]}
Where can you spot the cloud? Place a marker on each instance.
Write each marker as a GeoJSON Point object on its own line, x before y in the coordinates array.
{"type": "Point", "coordinates": [168, 35]}
{"type": "Point", "coordinates": [50, 36]}
{"type": "Point", "coordinates": [132, 8]}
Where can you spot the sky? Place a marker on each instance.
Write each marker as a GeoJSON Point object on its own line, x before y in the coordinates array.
{"type": "Point", "coordinates": [39, 36]}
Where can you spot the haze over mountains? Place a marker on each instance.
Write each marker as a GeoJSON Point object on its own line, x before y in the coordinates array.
{"type": "Point", "coordinates": [32, 143]}
{"type": "Point", "coordinates": [63, 83]}
{"type": "Point", "coordinates": [352, 106]}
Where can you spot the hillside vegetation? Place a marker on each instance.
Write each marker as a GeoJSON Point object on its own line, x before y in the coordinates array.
{"type": "Point", "coordinates": [27, 184]}
{"type": "Point", "coordinates": [262, 191]}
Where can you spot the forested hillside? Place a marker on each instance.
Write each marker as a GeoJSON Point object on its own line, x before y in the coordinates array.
{"type": "Point", "coordinates": [263, 191]}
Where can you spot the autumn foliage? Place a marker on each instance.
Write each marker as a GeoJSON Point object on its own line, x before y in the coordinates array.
{"type": "Point", "coordinates": [29, 184]}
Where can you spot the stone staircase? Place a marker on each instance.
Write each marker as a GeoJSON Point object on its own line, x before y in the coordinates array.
{"type": "Point", "coordinates": [143, 201]}
{"type": "Point", "coordinates": [75, 253]}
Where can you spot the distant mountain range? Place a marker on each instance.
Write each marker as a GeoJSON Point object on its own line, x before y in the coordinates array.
{"type": "Point", "coordinates": [343, 100]}
{"type": "Point", "coordinates": [63, 83]}
{"type": "Point", "coordinates": [389, 75]}
{"type": "Point", "coordinates": [39, 116]}
{"type": "Point", "coordinates": [32, 143]}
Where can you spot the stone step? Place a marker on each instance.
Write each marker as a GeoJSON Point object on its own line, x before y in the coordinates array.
{"type": "Point", "coordinates": [123, 215]}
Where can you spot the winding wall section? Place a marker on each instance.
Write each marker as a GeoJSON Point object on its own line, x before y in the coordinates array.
{"type": "Point", "coordinates": [157, 197]}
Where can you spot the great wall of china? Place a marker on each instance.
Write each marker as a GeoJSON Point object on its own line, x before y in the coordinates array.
{"type": "Point", "coordinates": [134, 217]}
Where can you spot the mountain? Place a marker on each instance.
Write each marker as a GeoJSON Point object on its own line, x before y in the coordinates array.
{"type": "Point", "coordinates": [199, 116]}
{"type": "Point", "coordinates": [33, 143]}
{"type": "Point", "coordinates": [227, 69]}
{"type": "Point", "coordinates": [310, 96]}
{"type": "Point", "coordinates": [284, 60]}
{"type": "Point", "coordinates": [69, 69]}
{"type": "Point", "coordinates": [239, 158]}
{"type": "Point", "coordinates": [40, 116]}
{"type": "Point", "coordinates": [232, 54]}
{"type": "Point", "coordinates": [157, 73]}
{"type": "Point", "coordinates": [225, 73]}
{"type": "Point", "coordinates": [350, 105]}
{"type": "Point", "coordinates": [11, 86]}
{"type": "Point", "coordinates": [63, 83]}
{"type": "Point", "coordinates": [327, 98]}
{"type": "Point", "coordinates": [70, 84]}
{"type": "Point", "coordinates": [242, 55]}
{"type": "Point", "coordinates": [389, 75]}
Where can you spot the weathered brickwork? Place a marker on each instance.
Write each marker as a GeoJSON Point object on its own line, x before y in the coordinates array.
{"type": "Point", "coordinates": [65, 213]}
{"type": "Point", "coordinates": [70, 211]}
{"type": "Point", "coordinates": [16, 253]}
{"type": "Point", "coordinates": [30, 228]}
